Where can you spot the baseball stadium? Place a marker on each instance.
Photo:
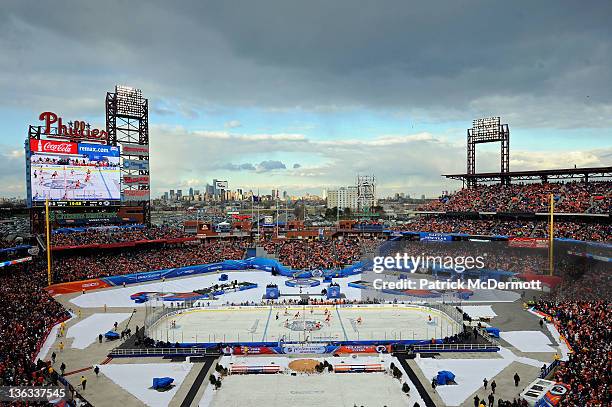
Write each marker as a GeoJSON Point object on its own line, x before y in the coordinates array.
{"type": "Point", "coordinates": [196, 314]}
{"type": "Point", "coordinates": [116, 290]}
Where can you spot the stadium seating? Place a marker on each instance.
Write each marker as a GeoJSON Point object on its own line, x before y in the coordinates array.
{"type": "Point", "coordinates": [572, 197]}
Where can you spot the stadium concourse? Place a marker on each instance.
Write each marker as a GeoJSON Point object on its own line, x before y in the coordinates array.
{"type": "Point", "coordinates": [35, 326]}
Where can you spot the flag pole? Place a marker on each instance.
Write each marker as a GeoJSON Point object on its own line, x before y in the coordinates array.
{"type": "Point", "coordinates": [48, 232]}
{"type": "Point", "coordinates": [258, 232]}
{"type": "Point", "coordinates": [551, 236]}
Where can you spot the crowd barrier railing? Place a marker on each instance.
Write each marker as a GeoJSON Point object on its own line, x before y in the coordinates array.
{"type": "Point", "coordinates": [447, 347]}
{"type": "Point", "coordinates": [119, 352]}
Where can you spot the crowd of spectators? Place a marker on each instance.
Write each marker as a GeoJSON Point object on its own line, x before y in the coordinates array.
{"type": "Point", "coordinates": [580, 308]}
{"type": "Point", "coordinates": [596, 232]}
{"type": "Point", "coordinates": [588, 328]}
{"type": "Point", "coordinates": [27, 312]}
{"type": "Point", "coordinates": [74, 267]}
{"type": "Point", "coordinates": [318, 254]}
{"type": "Point", "coordinates": [115, 235]}
{"type": "Point", "coordinates": [572, 197]}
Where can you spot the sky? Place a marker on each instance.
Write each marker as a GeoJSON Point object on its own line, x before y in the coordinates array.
{"type": "Point", "coordinates": [304, 95]}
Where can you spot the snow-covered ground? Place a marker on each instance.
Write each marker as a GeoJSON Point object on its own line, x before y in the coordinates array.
{"type": "Point", "coordinates": [137, 379]}
{"type": "Point", "coordinates": [528, 341]}
{"type": "Point", "coordinates": [120, 296]}
{"type": "Point", "coordinates": [86, 332]}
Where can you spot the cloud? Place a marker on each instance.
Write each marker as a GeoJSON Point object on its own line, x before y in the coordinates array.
{"type": "Point", "coordinates": [240, 167]}
{"type": "Point", "coordinates": [270, 165]}
{"type": "Point", "coordinates": [428, 60]}
{"type": "Point", "coordinates": [541, 67]}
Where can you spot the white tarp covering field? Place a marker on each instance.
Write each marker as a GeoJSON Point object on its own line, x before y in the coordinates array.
{"type": "Point", "coordinates": [469, 373]}
{"type": "Point", "coordinates": [464, 369]}
{"type": "Point", "coordinates": [120, 296]}
{"type": "Point", "coordinates": [479, 311]}
{"type": "Point", "coordinates": [86, 331]}
{"type": "Point", "coordinates": [137, 379]}
{"type": "Point", "coordinates": [528, 341]}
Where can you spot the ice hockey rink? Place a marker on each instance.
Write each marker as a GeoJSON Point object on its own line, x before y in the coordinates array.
{"type": "Point", "coordinates": [299, 323]}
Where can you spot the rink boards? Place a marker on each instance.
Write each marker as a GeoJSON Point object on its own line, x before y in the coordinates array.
{"type": "Point", "coordinates": [374, 323]}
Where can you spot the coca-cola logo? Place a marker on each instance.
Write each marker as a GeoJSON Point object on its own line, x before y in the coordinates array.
{"type": "Point", "coordinates": [58, 147]}
{"type": "Point", "coordinates": [65, 148]}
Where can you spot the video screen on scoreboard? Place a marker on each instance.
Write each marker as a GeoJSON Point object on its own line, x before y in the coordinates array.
{"type": "Point", "coordinates": [65, 171]}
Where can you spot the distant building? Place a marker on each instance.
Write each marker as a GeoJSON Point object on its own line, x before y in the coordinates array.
{"type": "Point", "coordinates": [344, 197]}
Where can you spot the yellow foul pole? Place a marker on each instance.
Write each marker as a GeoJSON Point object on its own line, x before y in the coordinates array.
{"type": "Point", "coordinates": [551, 236]}
{"type": "Point", "coordinates": [48, 232]}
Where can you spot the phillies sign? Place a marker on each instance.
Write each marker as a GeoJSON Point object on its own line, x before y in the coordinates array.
{"type": "Point", "coordinates": [55, 147]}
{"type": "Point", "coordinates": [54, 127]}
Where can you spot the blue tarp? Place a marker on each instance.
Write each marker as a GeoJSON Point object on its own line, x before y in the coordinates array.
{"type": "Point", "coordinates": [444, 376]}
{"type": "Point", "coordinates": [494, 332]}
{"type": "Point", "coordinates": [162, 382]}
{"type": "Point", "coordinates": [256, 263]}
{"type": "Point", "coordinates": [18, 247]}
{"type": "Point", "coordinates": [111, 335]}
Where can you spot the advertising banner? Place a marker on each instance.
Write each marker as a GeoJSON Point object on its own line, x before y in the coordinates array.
{"type": "Point", "coordinates": [136, 165]}
{"type": "Point", "coordinates": [303, 349]}
{"type": "Point", "coordinates": [135, 195]}
{"type": "Point", "coordinates": [435, 237]}
{"type": "Point", "coordinates": [53, 147]}
{"type": "Point", "coordinates": [135, 180]}
{"type": "Point", "coordinates": [554, 395]}
{"type": "Point", "coordinates": [98, 150]}
{"type": "Point", "coordinates": [77, 286]}
{"type": "Point", "coordinates": [528, 242]}
{"type": "Point", "coordinates": [135, 149]}
{"type": "Point", "coordinates": [15, 261]}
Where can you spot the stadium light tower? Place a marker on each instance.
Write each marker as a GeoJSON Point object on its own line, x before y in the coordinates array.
{"type": "Point", "coordinates": [366, 193]}
{"type": "Point", "coordinates": [488, 130]}
{"type": "Point", "coordinates": [127, 125]}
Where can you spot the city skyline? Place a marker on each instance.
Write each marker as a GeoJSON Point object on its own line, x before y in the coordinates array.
{"type": "Point", "coordinates": [333, 96]}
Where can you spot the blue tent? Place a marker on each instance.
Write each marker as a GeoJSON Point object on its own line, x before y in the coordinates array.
{"type": "Point", "coordinates": [162, 382]}
{"type": "Point", "coordinates": [444, 376]}
{"type": "Point", "coordinates": [111, 335]}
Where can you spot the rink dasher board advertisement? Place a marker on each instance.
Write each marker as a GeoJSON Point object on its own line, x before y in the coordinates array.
{"type": "Point", "coordinates": [72, 174]}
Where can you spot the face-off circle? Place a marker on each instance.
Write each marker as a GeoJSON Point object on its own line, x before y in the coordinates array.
{"type": "Point", "coordinates": [307, 325]}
